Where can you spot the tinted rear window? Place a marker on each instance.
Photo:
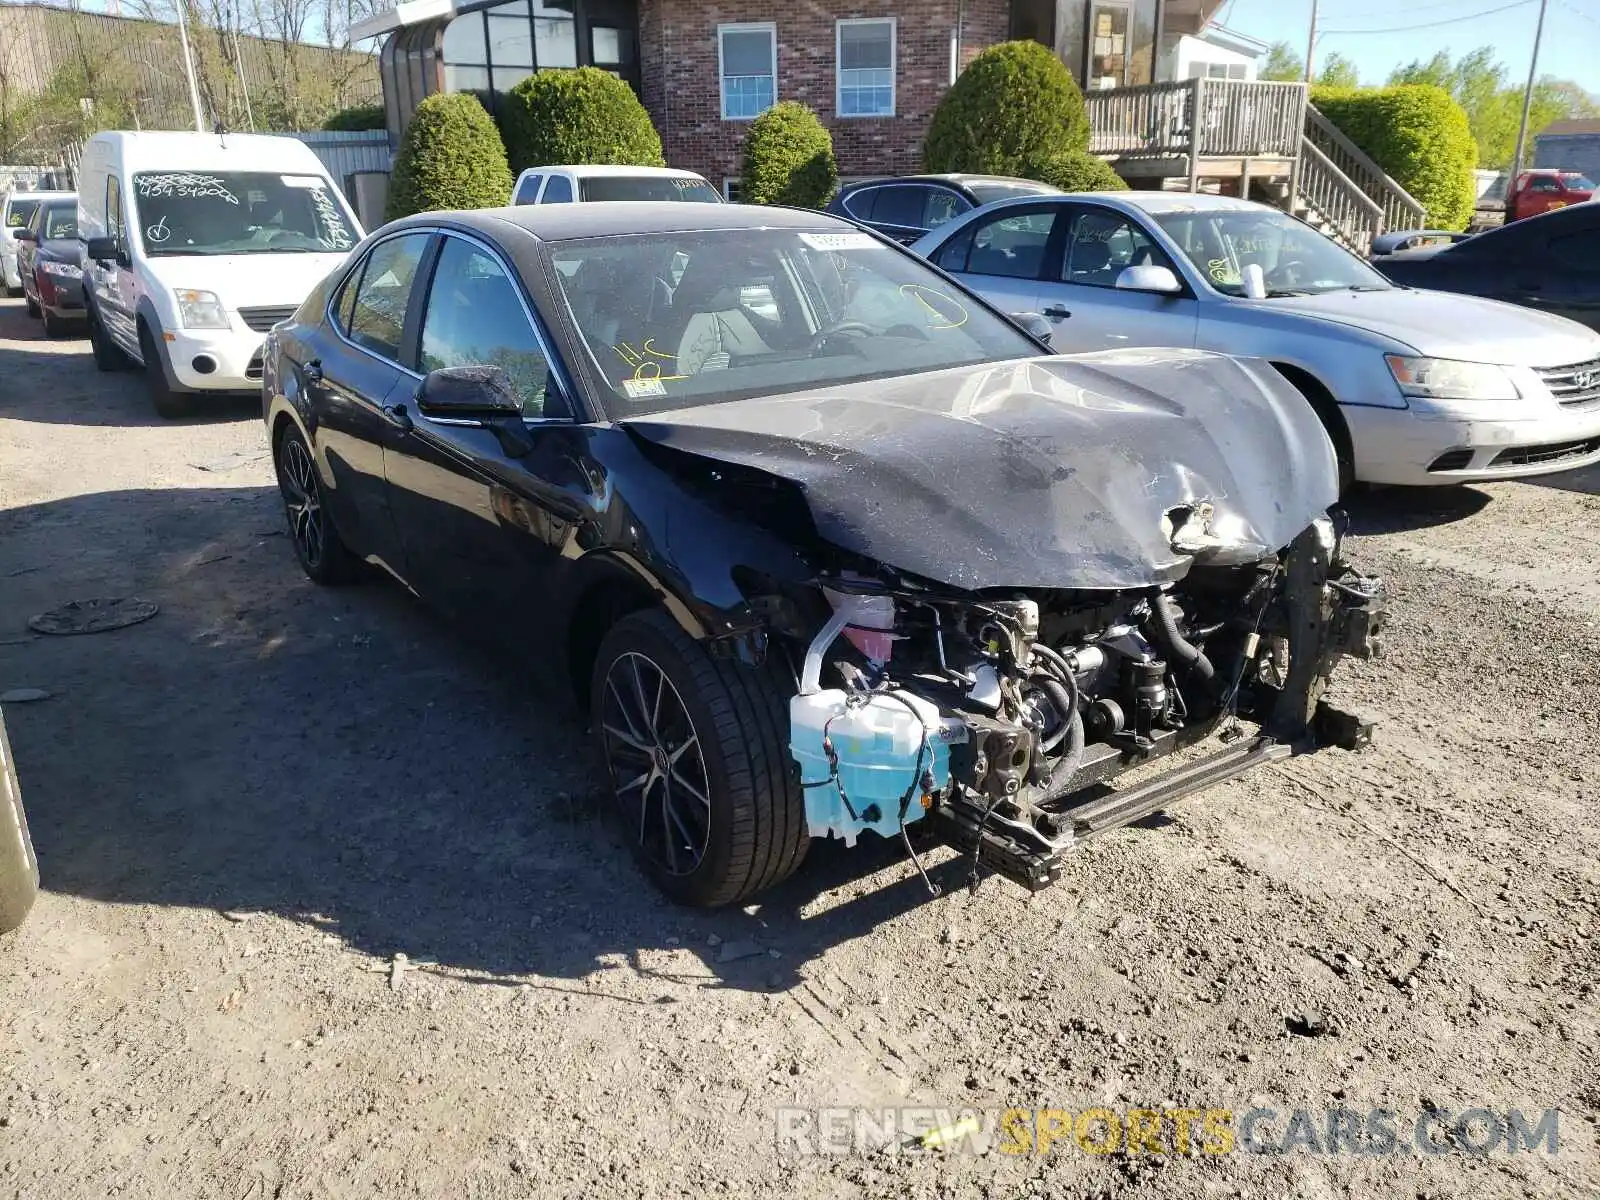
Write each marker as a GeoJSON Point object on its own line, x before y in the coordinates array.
{"type": "Point", "coordinates": [20, 212]}
{"type": "Point", "coordinates": [648, 187]}
{"type": "Point", "coordinates": [988, 193]}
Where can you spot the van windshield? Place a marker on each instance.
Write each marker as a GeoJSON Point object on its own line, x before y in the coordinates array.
{"type": "Point", "coordinates": [240, 212]}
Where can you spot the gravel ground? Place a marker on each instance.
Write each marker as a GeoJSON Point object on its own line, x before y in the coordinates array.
{"type": "Point", "coordinates": [247, 808]}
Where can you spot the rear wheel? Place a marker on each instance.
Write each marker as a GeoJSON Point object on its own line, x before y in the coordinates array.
{"type": "Point", "coordinates": [167, 403]}
{"type": "Point", "coordinates": [322, 553]}
{"type": "Point", "coordinates": [696, 753]}
{"type": "Point", "coordinates": [30, 304]}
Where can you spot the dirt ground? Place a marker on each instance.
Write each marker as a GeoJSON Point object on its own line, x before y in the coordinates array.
{"type": "Point", "coordinates": [245, 808]}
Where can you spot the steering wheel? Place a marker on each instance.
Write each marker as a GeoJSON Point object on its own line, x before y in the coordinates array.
{"type": "Point", "coordinates": [850, 328]}
{"type": "Point", "coordinates": [1286, 272]}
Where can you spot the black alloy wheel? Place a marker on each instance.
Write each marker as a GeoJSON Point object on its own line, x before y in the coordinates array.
{"type": "Point", "coordinates": [316, 542]}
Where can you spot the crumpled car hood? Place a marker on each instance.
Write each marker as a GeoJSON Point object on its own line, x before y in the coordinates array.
{"type": "Point", "coordinates": [1051, 472]}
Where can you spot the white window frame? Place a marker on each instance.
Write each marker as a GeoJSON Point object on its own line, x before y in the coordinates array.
{"type": "Point", "coordinates": [769, 28]}
{"type": "Point", "coordinates": [838, 68]}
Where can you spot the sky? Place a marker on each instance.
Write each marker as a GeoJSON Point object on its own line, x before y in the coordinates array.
{"type": "Point", "coordinates": [1570, 48]}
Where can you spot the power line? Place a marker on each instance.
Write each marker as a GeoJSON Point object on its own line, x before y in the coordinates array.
{"type": "Point", "coordinates": [1488, 12]}
{"type": "Point", "coordinates": [1410, 8]}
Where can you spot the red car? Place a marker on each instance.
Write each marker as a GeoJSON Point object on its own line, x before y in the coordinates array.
{"type": "Point", "coordinates": [1540, 191]}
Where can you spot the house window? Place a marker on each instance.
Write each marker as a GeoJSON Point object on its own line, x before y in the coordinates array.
{"type": "Point", "coordinates": [733, 190]}
{"type": "Point", "coordinates": [748, 60]}
{"type": "Point", "coordinates": [865, 50]}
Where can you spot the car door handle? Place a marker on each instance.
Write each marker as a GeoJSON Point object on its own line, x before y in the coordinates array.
{"type": "Point", "coordinates": [1056, 313]}
{"type": "Point", "coordinates": [312, 371]}
{"type": "Point", "coordinates": [397, 416]}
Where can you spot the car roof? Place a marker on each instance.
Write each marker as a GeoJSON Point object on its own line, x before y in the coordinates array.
{"type": "Point", "coordinates": [600, 170]}
{"type": "Point", "coordinates": [557, 222]}
{"type": "Point", "coordinates": [958, 178]}
{"type": "Point", "coordinates": [1149, 202]}
{"type": "Point", "coordinates": [177, 150]}
{"type": "Point", "coordinates": [10, 196]}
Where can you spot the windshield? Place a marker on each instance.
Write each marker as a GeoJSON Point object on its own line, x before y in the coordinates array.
{"type": "Point", "coordinates": [60, 221]}
{"type": "Point", "coordinates": [241, 212]}
{"type": "Point", "coordinates": [682, 319]}
{"type": "Point", "coordinates": [1294, 258]}
{"type": "Point", "coordinates": [988, 193]}
{"type": "Point", "coordinates": [648, 187]}
{"type": "Point", "coordinates": [20, 212]}
{"type": "Point", "coordinates": [1576, 182]}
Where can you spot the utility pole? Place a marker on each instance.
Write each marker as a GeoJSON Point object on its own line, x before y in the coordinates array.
{"type": "Point", "coordinates": [1527, 94]}
{"type": "Point", "coordinates": [1311, 42]}
{"type": "Point", "coordinates": [188, 67]}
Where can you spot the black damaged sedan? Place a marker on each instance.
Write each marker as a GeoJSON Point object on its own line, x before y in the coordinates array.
{"type": "Point", "coordinates": [825, 544]}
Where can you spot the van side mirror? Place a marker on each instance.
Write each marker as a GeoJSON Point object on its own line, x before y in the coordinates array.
{"type": "Point", "coordinates": [100, 249]}
{"type": "Point", "coordinates": [1149, 278]}
{"type": "Point", "coordinates": [468, 393]}
{"type": "Point", "coordinates": [1035, 325]}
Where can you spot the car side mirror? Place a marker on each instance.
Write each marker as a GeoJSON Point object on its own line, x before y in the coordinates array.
{"type": "Point", "coordinates": [24, 235]}
{"type": "Point", "coordinates": [468, 393]}
{"type": "Point", "coordinates": [100, 249]}
{"type": "Point", "coordinates": [1035, 325]}
{"type": "Point", "coordinates": [1149, 278]}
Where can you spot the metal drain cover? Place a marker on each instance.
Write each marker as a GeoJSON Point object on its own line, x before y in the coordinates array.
{"type": "Point", "coordinates": [94, 616]}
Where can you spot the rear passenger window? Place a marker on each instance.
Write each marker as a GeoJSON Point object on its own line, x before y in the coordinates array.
{"type": "Point", "coordinates": [528, 190]}
{"type": "Point", "coordinates": [859, 205]}
{"type": "Point", "coordinates": [557, 191]}
{"type": "Point", "coordinates": [1011, 245]}
{"type": "Point", "coordinates": [347, 301]}
{"type": "Point", "coordinates": [954, 255]}
{"type": "Point", "coordinates": [942, 206]}
{"type": "Point", "coordinates": [378, 316]}
{"type": "Point", "coordinates": [901, 205]}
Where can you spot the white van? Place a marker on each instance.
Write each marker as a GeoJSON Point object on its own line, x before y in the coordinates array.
{"type": "Point", "coordinates": [195, 245]}
{"type": "Point", "coordinates": [575, 185]}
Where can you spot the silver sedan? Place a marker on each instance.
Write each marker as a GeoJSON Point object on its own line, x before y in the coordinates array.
{"type": "Point", "coordinates": [1414, 387]}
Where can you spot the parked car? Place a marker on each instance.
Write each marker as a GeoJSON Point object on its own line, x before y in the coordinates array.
{"type": "Point", "coordinates": [1413, 387]}
{"type": "Point", "coordinates": [1400, 241]}
{"type": "Point", "coordinates": [19, 870]}
{"type": "Point", "coordinates": [908, 206]}
{"type": "Point", "coordinates": [825, 507]}
{"type": "Point", "coordinates": [48, 260]}
{"type": "Point", "coordinates": [1550, 263]}
{"type": "Point", "coordinates": [568, 185]}
{"type": "Point", "coordinates": [16, 210]}
{"type": "Point", "coordinates": [194, 246]}
{"type": "Point", "coordinates": [1538, 192]}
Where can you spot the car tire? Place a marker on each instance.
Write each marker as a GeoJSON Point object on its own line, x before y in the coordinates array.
{"type": "Point", "coordinates": [322, 553]}
{"type": "Point", "coordinates": [108, 356]}
{"type": "Point", "coordinates": [30, 304]}
{"type": "Point", "coordinates": [710, 745]}
{"type": "Point", "coordinates": [19, 870]}
{"type": "Point", "coordinates": [163, 399]}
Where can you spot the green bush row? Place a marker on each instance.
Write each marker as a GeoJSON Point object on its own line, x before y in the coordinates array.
{"type": "Point", "coordinates": [1419, 135]}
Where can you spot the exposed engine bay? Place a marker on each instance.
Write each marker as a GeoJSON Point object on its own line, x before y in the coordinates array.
{"type": "Point", "coordinates": [998, 717]}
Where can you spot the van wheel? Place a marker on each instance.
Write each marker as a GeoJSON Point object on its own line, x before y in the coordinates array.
{"type": "Point", "coordinates": [167, 403]}
{"type": "Point", "coordinates": [108, 356]}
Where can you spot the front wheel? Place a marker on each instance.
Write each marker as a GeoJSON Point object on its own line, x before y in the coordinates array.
{"type": "Point", "coordinates": [163, 399]}
{"type": "Point", "coordinates": [696, 752]}
{"type": "Point", "coordinates": [322, 553]}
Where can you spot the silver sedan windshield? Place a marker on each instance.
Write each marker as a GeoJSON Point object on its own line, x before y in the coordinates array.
{"type": "Point", "coordinates": [1294, 258]}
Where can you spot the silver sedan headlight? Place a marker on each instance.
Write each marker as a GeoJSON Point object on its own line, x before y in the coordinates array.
{"type": "Point", "coordinates": [1450, 379]}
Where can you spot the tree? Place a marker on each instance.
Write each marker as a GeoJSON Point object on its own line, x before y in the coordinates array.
{"type": "Point", "coordinates": [356, 118]}
{"type": "Point", "coordinates": [577, 117]}
{"type": "Point", "coordinates": [1075, 171]}
{"type": "Point", "coordinates": [788, 158]}
{"type": "Point", "coordinates": [1015, 103]}
{"type": "Point", "coordinates": [451, 157]}
{"type": "Point", "coordinates": [1338, 72]}
{"type": "Point", "coordinates": [1283, 64]}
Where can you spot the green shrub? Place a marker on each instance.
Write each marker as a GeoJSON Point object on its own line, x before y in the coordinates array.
{"type": "Point", "coordinates": [356, 118]}
{"type": "Point", "coordinates": [788, 158]}
{"type": "Point", "coordinates": [450, 157]}
{"type": "Point", "coordinates": [576, 117]}
{"type": "Point", "coordinates": [1419, 135]}
{"type": "Point", "coordinates": [1075, 171]}
{"type": "Point", "coordinates": [1015, 104]}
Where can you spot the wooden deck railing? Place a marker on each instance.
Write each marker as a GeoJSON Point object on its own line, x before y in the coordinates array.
{"type": "Point", "coordinates": [1205, 117]}
{"type": "Point", "coordinates": [1400, 209]}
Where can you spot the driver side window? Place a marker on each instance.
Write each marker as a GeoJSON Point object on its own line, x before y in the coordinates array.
{"type": "Point", "coordinates": [1103, 245]}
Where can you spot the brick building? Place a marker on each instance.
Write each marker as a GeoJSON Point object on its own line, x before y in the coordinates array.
{"type": "Point", "coordinates": [872, 69]}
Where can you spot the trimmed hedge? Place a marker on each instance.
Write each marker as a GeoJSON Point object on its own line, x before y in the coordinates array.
{"type": "Point", "coordinates": [1015, 103]}
{"type": "Point", "coordinates": [788, 158]}
{"type": "Point", "coordinates": [577, 117]}
{"type": "Point", "coordinates": [357, 118]}
{"type": "Point", "coordinates": [1419, 135]}
{"type": "Point", "coordinates": [1075, 172]}
{"type": "Point", "coordinates": [450, 157]}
